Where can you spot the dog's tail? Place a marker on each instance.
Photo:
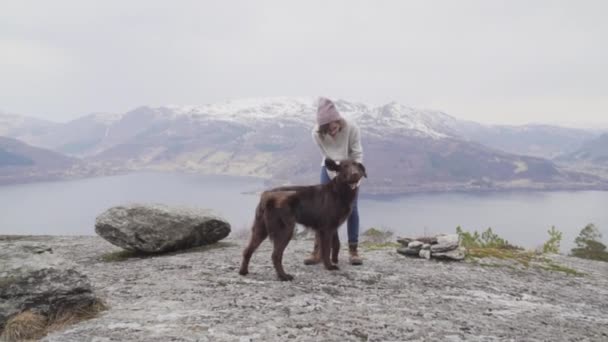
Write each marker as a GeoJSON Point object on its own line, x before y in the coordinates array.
{"type": "Point", "coordinates": [259, 211]}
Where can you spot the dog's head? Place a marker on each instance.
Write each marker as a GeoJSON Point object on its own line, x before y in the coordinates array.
{"type": "Point", "coordinates": [349, 171]}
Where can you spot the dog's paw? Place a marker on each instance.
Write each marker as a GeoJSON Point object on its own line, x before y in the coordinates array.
{"type": "Point", "coordinates": [333, 267]}
{"type": "Point", "coordinates": [286, 277]}
{"type": "Point", "coordinates": [334, 261]}
{"type": "Point", "coordinates": [243, 272]}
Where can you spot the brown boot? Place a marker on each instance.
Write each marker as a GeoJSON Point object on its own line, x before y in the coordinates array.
{"type": "Point", "coordinates": [315, 256]}
{"type": "Point", "coordinates": [354, 256]}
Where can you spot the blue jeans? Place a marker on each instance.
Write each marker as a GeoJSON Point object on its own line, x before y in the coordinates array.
{"type": "Point", "coordinates": [353, 220]}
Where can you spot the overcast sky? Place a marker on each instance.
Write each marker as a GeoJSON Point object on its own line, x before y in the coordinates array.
{"type": "Point", "coordinates": [490, 61]}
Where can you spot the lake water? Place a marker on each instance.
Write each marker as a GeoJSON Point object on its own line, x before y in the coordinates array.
{"type": "Point", "coordinates": [523, 218]}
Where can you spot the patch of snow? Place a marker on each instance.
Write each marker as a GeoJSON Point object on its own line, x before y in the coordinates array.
{"type": "Point", "coordinates": [392, 117]}
{"type": "Point", "coordinates": [520, 166]}
{"type": "Point", "coordinates": [282, 108]}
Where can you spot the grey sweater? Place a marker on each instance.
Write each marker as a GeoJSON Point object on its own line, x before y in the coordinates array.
{"type": "Point", "coordinates": [345, 145]}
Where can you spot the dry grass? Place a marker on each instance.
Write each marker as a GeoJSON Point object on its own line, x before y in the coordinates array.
{"type": "Point", "coordinates": [550, 266]}
{"type": "Point", "coordinates": [372, 246]}
{"type": "Point", "coordinates": [75, 315]}
{"type": "Point", "coordinates": [29, 325]}
{"type": "Point", "coordinates": [24, 326]}
{"type": "Point", "coordinates": [524, 258]}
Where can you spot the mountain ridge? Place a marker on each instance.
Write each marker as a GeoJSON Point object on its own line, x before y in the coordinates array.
{"type": "Point", "coordinates": [406, 149]}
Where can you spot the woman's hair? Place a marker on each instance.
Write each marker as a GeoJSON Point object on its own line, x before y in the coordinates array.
{"type": "Point", "coordinates": [324, 129]}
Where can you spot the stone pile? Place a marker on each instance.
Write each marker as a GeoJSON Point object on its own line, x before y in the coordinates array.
{"type": "Point", "coordinates": [446, 247]}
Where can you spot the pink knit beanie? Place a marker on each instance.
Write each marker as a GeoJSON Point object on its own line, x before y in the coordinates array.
{"type": "Point", "coordinates": [326, 112]}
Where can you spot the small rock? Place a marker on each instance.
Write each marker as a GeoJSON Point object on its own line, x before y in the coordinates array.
{"type": "Point", "coordinates": [448, 239]}
{"type": "Point", "coordinates": [455, 254]}
{"type": "Point", "coordinates": [408, 251]}
{"type": "Point", "coordinates": [360, 334]}
{"type": "Point", "coordinates": [431, 240]}
{"type": "Point", "coordinates": [425, 253]}
{"type": "Point", "coordinates": [404, 241]}
{"type": "Point", "coordinates": [446, 243]}
{"type": "Point", "coordinates": [426, 246]}
{"type": "Point", "coordinates": [415, 244]}
{"type": "Point", "coordinates": [424, 239]}
{"type": "Point", "coordinates": [443, 248]}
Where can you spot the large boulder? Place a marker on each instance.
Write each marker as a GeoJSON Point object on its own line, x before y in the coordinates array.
{"type": "Point", "coordinates": [155, 228]}
{"type": "Point", "coordinates": [34, 282]}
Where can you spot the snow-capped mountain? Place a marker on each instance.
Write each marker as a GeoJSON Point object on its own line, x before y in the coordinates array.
{"type": "Point", "coordinates": [405, 149]}
{"type": "Point", "coordinates": [392, 117]}
{"type": "Point", "coordinates": [248, 110]}
{"type": "Point", "coordinates": [94, 133]}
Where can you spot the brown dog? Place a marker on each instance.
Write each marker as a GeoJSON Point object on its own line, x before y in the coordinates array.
{"type": "Point", "coordinates": [322, 207]}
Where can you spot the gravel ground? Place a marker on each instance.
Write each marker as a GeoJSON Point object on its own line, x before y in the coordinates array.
{"type": "Point", "coordinates": [198, 295]}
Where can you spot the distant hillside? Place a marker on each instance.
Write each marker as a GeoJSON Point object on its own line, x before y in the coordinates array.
{"type": "Point", "coordinates": [23, 127]}
{"type": "Point", "coordinates": [542, 141]}
{"type": "Point", "coordinates": [20, 162]}
{"type": "Point", "coordinates": [595, 151]}
{"type": "Point", "coordinates": [12, 159]}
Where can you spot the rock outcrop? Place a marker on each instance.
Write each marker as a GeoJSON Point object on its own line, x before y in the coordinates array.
{"type": "Point", "coordinates": [37, 288]}
{"type": "Point", "coordinates": [200, 297]}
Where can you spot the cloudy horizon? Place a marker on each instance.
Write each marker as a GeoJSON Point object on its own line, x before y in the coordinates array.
{"type": "Point", "coordinates": [499, 62]}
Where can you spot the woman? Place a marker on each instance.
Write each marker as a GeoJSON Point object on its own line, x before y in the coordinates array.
{"type": "Point", "coordinates": [337, 139]}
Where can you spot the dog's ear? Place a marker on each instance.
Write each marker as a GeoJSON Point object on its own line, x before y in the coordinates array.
{"type": "Point", "coordinates": [331, 165]}
{"type": "Point", "coordinates": [362, 168]}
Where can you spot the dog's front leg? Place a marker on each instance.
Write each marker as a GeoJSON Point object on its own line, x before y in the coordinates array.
{"type": "Point", "coordinates": [326, 242]}
{"type": "Point", "coordinates": [335, 247]}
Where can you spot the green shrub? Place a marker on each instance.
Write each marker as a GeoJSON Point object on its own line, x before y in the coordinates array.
{"type": "Point", "coordinates": [489, 245]}
{"type": "Point", "coordinates": [487, 239]}
{"type": "Point", "coordinates": [589, 245]}
{"type": "Point", "coordinates": [377, 235]}
{"type": "Point", "coordinates": [555, 238]}
{"type": "Point", "coordinates": [467, 239]}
